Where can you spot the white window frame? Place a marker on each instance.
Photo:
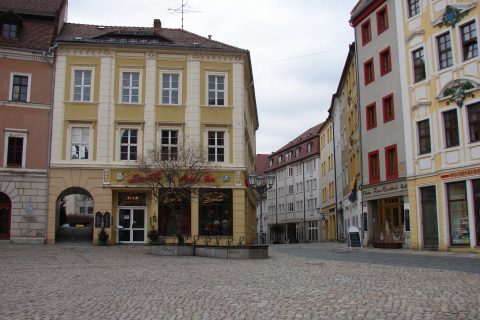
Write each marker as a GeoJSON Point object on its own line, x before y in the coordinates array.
{"type": "Point", "coordinates": [71, 126]}
{"type": "Point", "coordinates": [170, 89]}
{"type": "Point", "coordinates": [119, 141]}
{"type": "Point", "coordinates": [168, 128]}
{"type": "Point", "coordinates": [10, 91]}
{"type": "Point", "coordinates": [225, 89]}
{"type": "Point", "coordinates": [72, 90]}
{"type": "Point", "coordinates": [120, 91]}
{"type": "Point", "coordinates": [16, 133]}
{"type": "Point", "coordinates": [225, 143]}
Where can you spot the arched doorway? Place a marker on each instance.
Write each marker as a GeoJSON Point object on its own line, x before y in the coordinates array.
{"type": "Point", "coordinates": [5, 216]}
{"type": "Point", "coordinates": [74, 216]}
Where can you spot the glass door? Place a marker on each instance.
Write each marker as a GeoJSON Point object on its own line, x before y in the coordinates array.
{"type": "Point", "coordinates": [131, 225]}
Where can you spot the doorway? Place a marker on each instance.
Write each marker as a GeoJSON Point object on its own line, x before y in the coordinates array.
{"type": "Point", "coordinates": [429, 217]}
{"type": "Point", "coordinates": [131, 225]}
{"type": "Point", "coordinates": [5, 216]}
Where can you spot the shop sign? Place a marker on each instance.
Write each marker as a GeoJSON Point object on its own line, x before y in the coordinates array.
{"type": "Point", "coordinates": [137, 178]}
{"type": "Point", "coordinates": [209, 178]}
{"type": "Point", "coordinates": [386, 189]}
{"type": "Point", "coordinates": [462, 173]}
{"type": "Point", "coordinates": [214, 197]}
{"type": "Point", "coordinates": [132, 199]}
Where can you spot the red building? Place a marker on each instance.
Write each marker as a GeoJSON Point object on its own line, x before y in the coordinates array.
{"type": "Point", "coordinates": [26, 78]}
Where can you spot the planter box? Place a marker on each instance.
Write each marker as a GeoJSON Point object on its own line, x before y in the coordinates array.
{"type": "Point", "coordinates": [219, 252]}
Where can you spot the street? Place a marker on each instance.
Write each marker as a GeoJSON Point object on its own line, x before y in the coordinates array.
{"type": "Point", "coordinates": [301, 281]}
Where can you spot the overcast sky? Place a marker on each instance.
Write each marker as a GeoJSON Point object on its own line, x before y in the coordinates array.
{"type": "Point", "coordinates": [298, 49]}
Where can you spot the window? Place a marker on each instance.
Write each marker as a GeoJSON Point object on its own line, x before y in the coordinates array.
{"type": "Point", "coordinates": [20, 87]}
{"type": "Point", "coordinates": [290, 172]}
{"type": "Point", "coordinates": [371, 116]}
{"type": "Point", "coordinates": [309, 147]}
{"type": "Point", "coordinates": [82, 85]}
{"type": "Point", "coordinates": [215, 212]}
{"type": "Point", "coordinates": [374, 166]}
{"type": "Point", "coordinates": [80, 143]}
{"type": "Point", "coordinates": [128, 144]}
{"type": "Point", "coordinates": [388, 109]}
{"type": "Point", "coordinates": [366, 32]}
{"type": "Point", "coordinates": [290, 189]}
{"type": "Point", "coordinates": [419, 72]}
{"type": "Point", "coordinates": [290, 207]}
{"type": "Point", "coordinates": [444, 48]}
{"type": "Point", "coordinates": [170, 88]}
{"type": "Point", "coordinates": [169, 144]}
{"type": "Point", "coordinates": [413, 7]}
{"type": "Point", "coordinates": [469, 40]}
{"type": "Point", "coordinates": [216, 90]}
{"type": "Point", "coordinates": [451, 128]}
{"type": "Point", "coordinates": [369, 74]}
{"type": "Point", "coordinates": [474, 121]}
{"type": "Point", "coordinates": [216, 146]}
{"type": "Point", "coordinates": [382, 20]}
{"type": "Point", "coordinates": [385, 62]}
{"type": "Point", "coordinates": [130, 87]}
{"type": "Point", "coordinates": [9, 30]}
{"type": "Point", "coordinates": [15, 149]}
{"type": "Point", "coordinates": [424, 136]}
{"type": "Point", "coordinates": [391, 162]}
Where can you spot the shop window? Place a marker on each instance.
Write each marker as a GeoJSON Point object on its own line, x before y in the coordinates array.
{"type": "Point", "coordinates": [366, 32]}
{"type": "Point", "coordinates": [469, 40]}
{"type": "Point", "coordinates": [444, 50]}
{"type": "Point", "coordinates": [424, 136]}
{"type": "Point", "coordinates": [474, 121]}
{"type": "Point", "coordinates": [382, 20]}
{"type": "Point", "coordinates": [385, 62]}
{"type": "Point", "coordinates": [368, 72]}
{"type": "Point", "coordinates": [174, 215]}
{"type": "Point", "coordinates": [371, 116]}
{"type": "Point", "coordinates": [419, 65]}
{"type": "Point", "coordinates": [374, 166]}
{"type": "Point", "coordinates": [476, 202]}
{"type": "Point", "coordinates": [458, 213]}
{"type": "Point", "coordinates": [391, 162]}
{"type": "Point", "coordinates": [451, 128]}
{"type": "Point", "coordinates": [215, 214]}
{"type": "Point", "coordinates": [388, 110]}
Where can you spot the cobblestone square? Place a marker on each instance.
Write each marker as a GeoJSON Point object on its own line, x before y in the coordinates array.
{"type": "Point", "coordinates": [307, 281]}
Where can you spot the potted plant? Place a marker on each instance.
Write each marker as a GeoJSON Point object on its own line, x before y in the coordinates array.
{"type": "Point", "coordinates": [154, 236]}
{"type": "Point", "coordinates": [102, 237]}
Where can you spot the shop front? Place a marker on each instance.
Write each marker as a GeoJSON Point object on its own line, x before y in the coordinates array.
{"type": "Point", "coordinates": [132, 217]}
{"type": "Point", "coordinates": [387, 214]}
{"type": "Point", "coordinates": [462, 203]}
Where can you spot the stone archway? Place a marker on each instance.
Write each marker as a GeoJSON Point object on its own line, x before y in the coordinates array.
{"type": "Point", "coordinates": [5, 216]}
{"type": "Point", "coordinates": [74, 216]}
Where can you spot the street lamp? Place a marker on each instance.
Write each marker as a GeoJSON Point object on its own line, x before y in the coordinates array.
{"type": "Point", "coordinates": [261, 184]}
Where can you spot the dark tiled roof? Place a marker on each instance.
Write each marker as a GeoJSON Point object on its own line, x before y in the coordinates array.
{"type": "Point", "coordinates": [311, 134]}
{"type": "Point", "coordinates": [35, 7]}
{"type": "Point", "coordinates": [261, 163]}
{"type": "Point", "coordinates": [141, 36]}
{"type": "Point", "coordinates": [35, 34]}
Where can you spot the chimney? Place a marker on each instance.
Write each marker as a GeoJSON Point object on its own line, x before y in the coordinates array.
{"type": "Point", "coordinates": [209, 37]}
{"type": "Point", "coordinates": [157, 24]}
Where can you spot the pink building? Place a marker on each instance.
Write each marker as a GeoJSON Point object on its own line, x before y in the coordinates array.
{"type": "Point", "coordinates": [26, 78]}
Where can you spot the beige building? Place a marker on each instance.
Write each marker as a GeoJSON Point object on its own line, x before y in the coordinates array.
{"type": "Point", "coordinates": [122, 91]}
{"type": "Point", "coordinates": [327, 181]}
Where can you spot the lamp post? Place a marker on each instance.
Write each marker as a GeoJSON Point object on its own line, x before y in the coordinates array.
{"type": "Point", "coordinates": [261, 184]}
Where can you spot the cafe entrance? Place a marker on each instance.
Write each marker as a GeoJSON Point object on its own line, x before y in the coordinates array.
{"type": "Point", "coordinates": [132, 217]}
{"type": "Point", "coordinates": [388, 229]}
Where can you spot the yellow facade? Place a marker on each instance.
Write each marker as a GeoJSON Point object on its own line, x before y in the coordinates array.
{"type": "Point", "coordinates": [89, 141]}
{"type": "Point", "coordinates": [441, 164]}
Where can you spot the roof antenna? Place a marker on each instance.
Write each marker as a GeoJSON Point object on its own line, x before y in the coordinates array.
{"type": "Point", "coordinates": [182, 9]}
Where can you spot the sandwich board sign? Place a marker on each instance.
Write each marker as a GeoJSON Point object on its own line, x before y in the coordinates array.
{"type": "Point", "coordinates": [354, 237]}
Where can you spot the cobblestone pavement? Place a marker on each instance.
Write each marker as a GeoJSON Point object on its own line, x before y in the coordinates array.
{"type": "Point", "coordinates": [309, 281]}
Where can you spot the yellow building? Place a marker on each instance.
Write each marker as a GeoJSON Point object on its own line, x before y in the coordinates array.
{"type": "Point", "coordinates": [327, 178]}
{"type": "Point", "coordinates": [122, 91]}
{"type": "Point", "coordinates": [443, 99]}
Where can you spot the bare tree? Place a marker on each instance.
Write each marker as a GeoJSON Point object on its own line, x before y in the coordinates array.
{"type": "Point", "coordinates": [172, 178]}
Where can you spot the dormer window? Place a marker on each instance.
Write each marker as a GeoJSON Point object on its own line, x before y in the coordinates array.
{"type": "Point", "coordinates": [9, 30]}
